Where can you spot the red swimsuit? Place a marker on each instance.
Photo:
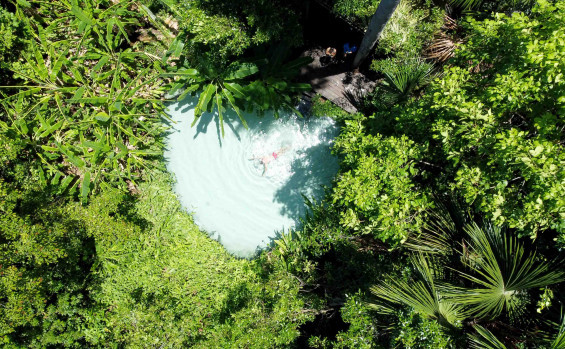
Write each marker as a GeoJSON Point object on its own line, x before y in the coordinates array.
{"type": "Point", "coordinates": [275, 155]}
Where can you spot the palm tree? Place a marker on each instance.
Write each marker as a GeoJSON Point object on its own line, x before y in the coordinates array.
{"type": "Point", "coordinates": [377, 24]}
{"type": "Point", "coordinates": [495, 275]}
{"type": "Point", "coordinates": [422, 293]}
{"type": "Point", "coordinates": [503, 270]}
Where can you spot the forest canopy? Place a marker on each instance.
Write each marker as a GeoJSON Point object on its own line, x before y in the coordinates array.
{"type": "Point", "coordinates": [444, 227]}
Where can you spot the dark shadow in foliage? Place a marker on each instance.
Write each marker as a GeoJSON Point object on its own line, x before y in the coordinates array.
{"type": "Point", "coordinates": [238, 297]}
{"type": "Point", "coordinates": [350, 264]}
{"type": "Point", "coordinates": [145, 298]}
{"type": "Point", "coordinates": [344, 265]}
{"type": "Point", "coordinates": [126, 211]}
{"type": "Point", "coordinates": [67, 282]}
{"type": "Point", "coordinates": [265, 20]}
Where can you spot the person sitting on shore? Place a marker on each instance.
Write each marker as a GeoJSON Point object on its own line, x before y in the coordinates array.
{"type": "Point", "coordinates": [330, 54]}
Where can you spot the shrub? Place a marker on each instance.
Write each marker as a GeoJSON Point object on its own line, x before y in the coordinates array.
{"type": "Point", "coordinates": [375, 189]}
{"type": "Point", "coordinates": [410, 29]}
{"type": "Point", "coordinates": [493, 121]}
{"type": "Point", "coordinates": [13, 35]}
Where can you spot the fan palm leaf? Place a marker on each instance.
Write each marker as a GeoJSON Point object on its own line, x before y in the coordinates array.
{"type": "Point", "coordinates": [485, 339]}
{"type": "Point", "coordinates": [402, 79]}
{"type": "Point", "coordinates": [502, 270]}
{"type": "Point", "coordinates": [559, 341]}
{"type": "Point", "coordinates": [438, 234]}
{"type": "Point", "coordinates": [421, 294]}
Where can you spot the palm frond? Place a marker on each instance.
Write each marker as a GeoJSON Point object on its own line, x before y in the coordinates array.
{"type": "Point", "coordinates": [559, 341]}
{"type": "Point", "coordinates": [402, 79]}
{"type": "Point", "coordinates": [442, 48]}
{"type": "Point", "coordinates": [503, 271]}
{"type": "Point", "coordinates": [421, 294]}
{"type": "Point", "coordinates": [485, 339]}
{"type": "Point", "coordinates": [443, 229]}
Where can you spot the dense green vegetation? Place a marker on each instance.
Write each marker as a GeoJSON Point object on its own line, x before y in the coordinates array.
{"type": "Point", "coordinates": [444, 227]}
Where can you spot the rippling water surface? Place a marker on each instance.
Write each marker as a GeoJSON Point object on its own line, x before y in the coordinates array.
{"type": "Point", "coordinates": [221, 180]}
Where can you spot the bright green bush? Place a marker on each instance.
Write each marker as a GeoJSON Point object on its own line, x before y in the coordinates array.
{"type": "Point", "coordinates": [356, 10]}
{"type": "Point", "coordinates": [375, 190]}
{"type": "Point", "coordinates": [13, 35]}
{"type": "Point", "coordinates": [221, 31]}
{"type": "Point", "coordinates": [417, 332]}
{"type": "Point", "coordinates": [362, 332]}
{"type": "Point", "coordinates": [135, 273]}
{"type": "Point", "coordinates": [493, 121]}
{"type": "Point", "coordinates": [501, 123]}
{"type": "Point", "coordinates": [45, 257]}
{"type": "Point", "coordinates": [165, 283]}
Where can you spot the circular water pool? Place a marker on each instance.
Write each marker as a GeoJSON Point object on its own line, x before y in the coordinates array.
{"type": "Point", "coordinates": [246, 187]}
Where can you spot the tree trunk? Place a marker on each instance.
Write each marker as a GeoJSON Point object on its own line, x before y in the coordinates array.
{"type": "Point", "coordinates": [376, 26]}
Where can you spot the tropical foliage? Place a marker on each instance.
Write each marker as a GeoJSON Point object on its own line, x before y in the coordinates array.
{"type": "Point", "coordinates": [261, 85]}
{"type": "Point", "coordinates": [444, 227]}
{"type": "Point", "coordinates": [84, 103]}
{"type": "Point", "coordinates": [499, 272]}
{"type": "Point", "coordinates": [218, 30]}
{"type": "Point", "coordinates": [492, 121]}
{"type": "Point", "coordinates": [375, 191]}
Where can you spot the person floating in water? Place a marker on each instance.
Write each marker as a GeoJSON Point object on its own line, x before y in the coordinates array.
{"type": "Point", "coordinates": [266, 159]}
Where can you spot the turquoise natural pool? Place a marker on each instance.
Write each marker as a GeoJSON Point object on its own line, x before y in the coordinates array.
{"type": "Point", "coordinates": [229, 197]}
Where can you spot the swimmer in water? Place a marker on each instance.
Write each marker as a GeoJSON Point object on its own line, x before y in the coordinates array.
{"type": "Point", "coordinates": [266, 159]}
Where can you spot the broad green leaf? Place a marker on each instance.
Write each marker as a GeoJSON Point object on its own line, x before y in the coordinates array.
{"type": "Point", "coordinates": [78, 162]}
{"type": "Point", "coordinates": [102, 117]}
{"type": "Point", "coordinates": [48, 148]}
{"type": "Point", "coordinates": [183, 72]}
{"type": "Point", "coordinates": [55, 179]}
{"type": "Point", "coordinates": [85, 187]}
{"type": "Point", "coordinates": [78, 94]}
{"type": "Point", "coordinates": [65, 183]}
{"type": "Point", "coordinates": [82, 16]}
{"type": "Point", "coordinates": [236, 89]}
{"type": "Point", "coordinates": [231, 101]}
{"type": "Point", "coordinates": [61, 59]}
{"type": "Point", "coordinates": [100, 64]}
{"type": "Point", "coordinates": [123, 151]}
{"type": "Point", "coordinates": [220, 115]}
{"type": "Point", "coordinates": [51, 129]}
{"type": "Point", "coordinates": [242, 70]}
{"type": "Point", "coordinates": [189, 89]}
{"type": "Point", "coordinates": [24, 3]}
{"type": "Point", "coordinates": [22, 126]}
{"type": "Point", "coordinates": [203, 101]}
